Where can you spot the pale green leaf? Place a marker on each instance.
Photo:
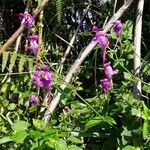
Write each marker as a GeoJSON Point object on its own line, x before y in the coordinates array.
{"type": "Point", "coordinates": [131, 148]}
{"type": "Point", "coordinates": [21, 126]}
{"type": "Point", "coordinates": [5, 139]}
{"type": "Point", "coordinates": [61, 145]}
{"type": "Point", "coordinates": [75, 140]}
{"type": "Point", "coordinates": [102, 120]}
{"type": "Point", "coordinates": [74, 147]}
{"type": "Point", "coordinates": [146, 129]}
{"type": "Point", "coordinates": [19, 136]}
{"type": "Point", "coordinates": [4, 60]}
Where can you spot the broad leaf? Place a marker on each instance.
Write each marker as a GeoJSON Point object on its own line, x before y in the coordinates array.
{"type": "Point", "coordinates": [19, 136]}
{"type": "Point", "coordinates": [21, 126]}
{"type": "Point", "coordinates": [5, 139]}
{"type": "Point", "coordinates": [102, 120]}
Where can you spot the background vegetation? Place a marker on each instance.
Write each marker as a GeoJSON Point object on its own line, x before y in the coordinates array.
{"type": "Point", "coordinates": [96, 120]}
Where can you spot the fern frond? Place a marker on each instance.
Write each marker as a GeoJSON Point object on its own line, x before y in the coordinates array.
{"type": "Point", "coordinates": [4, 60]}
{"type": "Point", "coordinates": [12, 61]}
{"type": "Point", "coordinates": [22, 61]}
{"type": "Point", "coordinates": [59, 5]}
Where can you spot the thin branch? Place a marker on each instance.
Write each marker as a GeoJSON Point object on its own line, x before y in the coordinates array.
{"type": "Point", "coordinates": [74, 36]}
{"type": "Point", "coordinates": [12, 39]}
{"type": "Point", "coordinates": [137, 44]}
{"type": "Point", "coordinates": [80, 59]}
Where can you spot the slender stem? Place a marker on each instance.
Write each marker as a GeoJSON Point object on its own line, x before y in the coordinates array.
{"type": "Point", "coordinates": [63, 59]}
{"type": "Point", "coordinates": [115, 4]}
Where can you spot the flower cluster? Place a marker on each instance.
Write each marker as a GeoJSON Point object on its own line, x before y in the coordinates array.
{"type": "Point", "coordinates": [102, 39]}
{"type": "Point", "coordinates": [28, 22]}
{"type": "Point", "coordinates": [42, 77]}
{"type": "Point", "coordinates": [107, 80]}
{"type": "Point", "coordinates": [27, 19]}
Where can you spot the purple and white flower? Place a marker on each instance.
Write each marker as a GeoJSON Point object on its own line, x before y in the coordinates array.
{"type": "Point", "coordinates": [33, 45]}
{"type": "Point", "coordinates": [106, 84]}
{"type": "Point", "coordinates": [102, 39]}
{"type": "Point", "coordinates": [42, 77]}
{"type": "Point", "coordinates": [109, 72]}
{"type": "Point", "coordinates": [118, 26]}
{"type": "Point", "coordinates": [27, 19]}
{"type": "Point", "coordinates": [66, 109]}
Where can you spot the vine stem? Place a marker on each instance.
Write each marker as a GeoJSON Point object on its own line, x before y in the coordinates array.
{"type": "Point", "coordinates": [12, 39]}
{"type": "Point", "coordinates": [80, 59]}
{"type": "Point", "coordinates": [137, 44]}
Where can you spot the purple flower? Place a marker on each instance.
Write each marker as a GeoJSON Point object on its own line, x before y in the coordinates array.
{"type": "Point", "coordinates": [109, 72]}
{"type": "Point", "coordinates": [106, 84]}
{"type": "Point", "coordinates": [42, 77]}
{"type": "Point", "coordinates": [33, 46]}
{"type": "Point", "coordinates": [118, 26]}
{"type": "Point", "coordinates": [27, 19]}
{"type": "Point", "coordinates": [66, 109]}
{"type": "Point", "coordinates": [101, 38]}
{"type": "Point", "coordinates": [33, 99]}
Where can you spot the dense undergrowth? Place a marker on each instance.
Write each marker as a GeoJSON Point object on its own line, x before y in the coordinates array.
{"type": "Point", "coordinates": [86, 117]}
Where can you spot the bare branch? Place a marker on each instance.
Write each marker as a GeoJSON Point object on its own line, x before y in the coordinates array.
{"type": "Point", "coordinates": [79, 60]}
{"type": "Point", "coordinates": [137, 43]}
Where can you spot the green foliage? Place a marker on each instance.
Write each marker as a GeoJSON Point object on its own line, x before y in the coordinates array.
{"type": "Point", "coordinates": [96, 120]}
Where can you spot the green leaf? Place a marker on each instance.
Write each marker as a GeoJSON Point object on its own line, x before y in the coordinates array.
{"type": "Point", "coordinates": [39, 124]}
{"type": "Point", "coordinates": [11, 106]}
{"type": "Point", "coordinates": [74, 147]}
{"type": "Point", "coordinates": [19, 136]}
{"type": "Point", "coordinates": [21, 63]}
{"type": "Point", "coordinates": [146, 88]}
{"type": "Point", "coordinates": [12, 61]}
{"type": "Point", "coordinates": [146, 112]}
{"type": "Point", "coordinates": [102, 120]}
{"type": "Point", "coordinates": [131, 148]}
{"type": "Point", "coordinates": [4, 60]}
{"type": "Point", "coordinates": [75, 140]}
{"type": "Point", "coordinates": [128, 29]}
{"type": "Point", "coordinates": [21, 126]}
{"type": "Point", "coordinates": [4, 87]}
{"type": "Point", "coordinates": [5, 139]}
{"type": "Point", "coordinates": [136, 112]}
{"type": "Point", "coordinates": [61, 145]}
{"type": "Point", "coordinates": [146, 129]}
{"type": "Point", "coordinates": [127, 76]}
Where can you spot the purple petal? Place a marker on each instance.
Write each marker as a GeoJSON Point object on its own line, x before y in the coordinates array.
{"type": "Point", "coordinates": [33, 99]}
{"type": "Point", "coordinates": [95, 29]}
{"type": "Point", "coordinates": [106, 84]}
